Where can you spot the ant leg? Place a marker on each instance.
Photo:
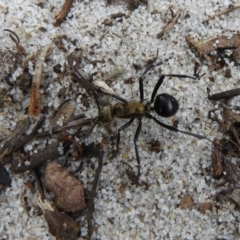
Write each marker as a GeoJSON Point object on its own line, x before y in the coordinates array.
{"type": "Point", "coordinates": [171, 128]}
{"type": "Point", "coordinates": [135, 145]}
{"type": "Point", "coordinates": [93, 126]}
{"type": "Point", "coordinates": [148, 68]}
{"type": "Point", "coordinates": [86, 85]}
{"type": "Point", "coordinates": [160, 81]}
{"type": "Point", "coordinates": [126, 125]}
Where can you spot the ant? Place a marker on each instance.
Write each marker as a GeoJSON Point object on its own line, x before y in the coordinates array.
{"type": "Point", "coordinates": [164, 104]}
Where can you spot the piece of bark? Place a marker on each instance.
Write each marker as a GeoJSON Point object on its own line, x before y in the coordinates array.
{"type": "Point", "coordinates": [204, 47]}
{"type": "Point", "coordinates": [50, 152]}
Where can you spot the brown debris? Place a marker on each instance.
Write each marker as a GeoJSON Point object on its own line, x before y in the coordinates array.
{"type": "Point", "coordinates": [134, 4]}
{"type": "Point", "coordinates": [16, 40]}
{"type": "Point", "coordinates": [204, 47]}
{"type": "Point", "coordinates": [9, 62]}
{"type": "Point", "coordinates": [34, 105]}
{"type": "Point", "coordinates": [231, 8]}
{"type": "Point", "coordinates": [217, 161]}
{"type": "Point", "coordinates": [63, 113]}
{"type": "Point", "coordinates": [186, 201]}
{"type": "Point", "coordinates": [155, 146]}
{"type": "Point", "coordinates": [232, 171]}
{"type": "Point", "coordinates": [235, 195]}
{"type": "Point", "coordinates": [61, 225]}
{"type": "Point", "coordinates": [224, 95]}
{"type": "Point", "coordinates": [68, 189]}
{"type": "Point", "coordinates": [50, 152]}
{"type": "Point", "coordinates": [203, 207]}
{"type": "Point", "coordinates": [13, 140]}
{"type": "Point", "coordinates": [63, 13]}
{"type": "Point", "coordinates": [170, 24]}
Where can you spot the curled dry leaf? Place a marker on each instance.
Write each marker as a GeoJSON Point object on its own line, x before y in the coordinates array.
{"type": "Point", "coordinates": [103, 87]}
{"type": "Point", "coordinates": [67, 188]}
{"type": "Point", "coordinates": [63, 114]}
{"type": "Point", "coordinates": [60, 225]}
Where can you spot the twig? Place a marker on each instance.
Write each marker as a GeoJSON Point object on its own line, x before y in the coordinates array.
{"type": "Point", "coordinates": [63, 13]}
{"type": "Point", "coordinates": [170, 24]}
{"type": "Point", "coordinates": [66, 127]}
{"type": "Point", "coordinates": [93, 152]}
{"type": "Point", "coordinates": [223, 12]}
{"type": "Point", "coordinates": [16, 40]}
{"type": "Point", "coordinates": [34, 106]}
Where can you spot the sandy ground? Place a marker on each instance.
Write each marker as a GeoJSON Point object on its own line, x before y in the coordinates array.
{"type": "Point", "coordinates": [110, 48]}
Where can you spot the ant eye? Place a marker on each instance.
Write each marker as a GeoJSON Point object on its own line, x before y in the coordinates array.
{"type": "Point", "coordinates": [166, 105]}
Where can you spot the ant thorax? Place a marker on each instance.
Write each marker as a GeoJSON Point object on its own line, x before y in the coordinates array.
{"type": "Point", "coordinates": [129, 109]}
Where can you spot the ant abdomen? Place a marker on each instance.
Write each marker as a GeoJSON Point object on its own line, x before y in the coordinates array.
{"type": "Point", "coordinates": [165, 105]}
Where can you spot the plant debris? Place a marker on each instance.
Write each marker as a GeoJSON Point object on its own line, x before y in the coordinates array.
{"type": "Point", "coordinates": [170, 24]}
{"type": "Point", "coordinates": [224, 95]}
{"type": "Point", "coordinates": [5, 180]}
{"type": "Point", "coordinates": [203, 207]}
{"type": "Point", "coordinates": [67, 188]}
{"type": "Point", "coordinates": [35, 105]}
{"type": "Point", "coordinates": [16, 40]}
{"type": "Point", "coordinates": [27, 162]}
{"type": "Point", "coordinates": [230, 9]}
{"type": "Point", "coordinates": [202, 48]}
{"type": "Point", "coordinates": [60, 224]}
{"type": "Point", "coordinates": [63, 13]}
{"type": "Point", "coordinates": [186, 201]}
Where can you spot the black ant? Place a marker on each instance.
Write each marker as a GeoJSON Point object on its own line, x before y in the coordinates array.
{"type": "Point", "coordinates": [165, 105]}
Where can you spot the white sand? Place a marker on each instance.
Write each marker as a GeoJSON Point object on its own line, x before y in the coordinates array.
{"type": "Point", "coordinates": [184, 164]}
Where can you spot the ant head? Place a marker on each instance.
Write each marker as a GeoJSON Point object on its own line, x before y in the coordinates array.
{"type": "Point", "coordinates": [165, 105]}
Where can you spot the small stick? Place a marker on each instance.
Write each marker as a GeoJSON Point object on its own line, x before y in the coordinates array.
{"type": "Point", "coordinates": [223, 12]}
{"type": "Point", "coordinates": [170, 24]}
{"type": "Point", "coordinates": [34, 105]}
{"type": "Point", "coordinates": [63, 13]}
{"type": "Point", "coordinates": [66, 127]}
{"type": "Point", "coordinates": [224, 95]}
{"type": "Point", "coordinates": [16, 40]}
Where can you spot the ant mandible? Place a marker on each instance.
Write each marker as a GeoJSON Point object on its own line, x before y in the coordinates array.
{"type": "Point", "coordinates": [164, 104]}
